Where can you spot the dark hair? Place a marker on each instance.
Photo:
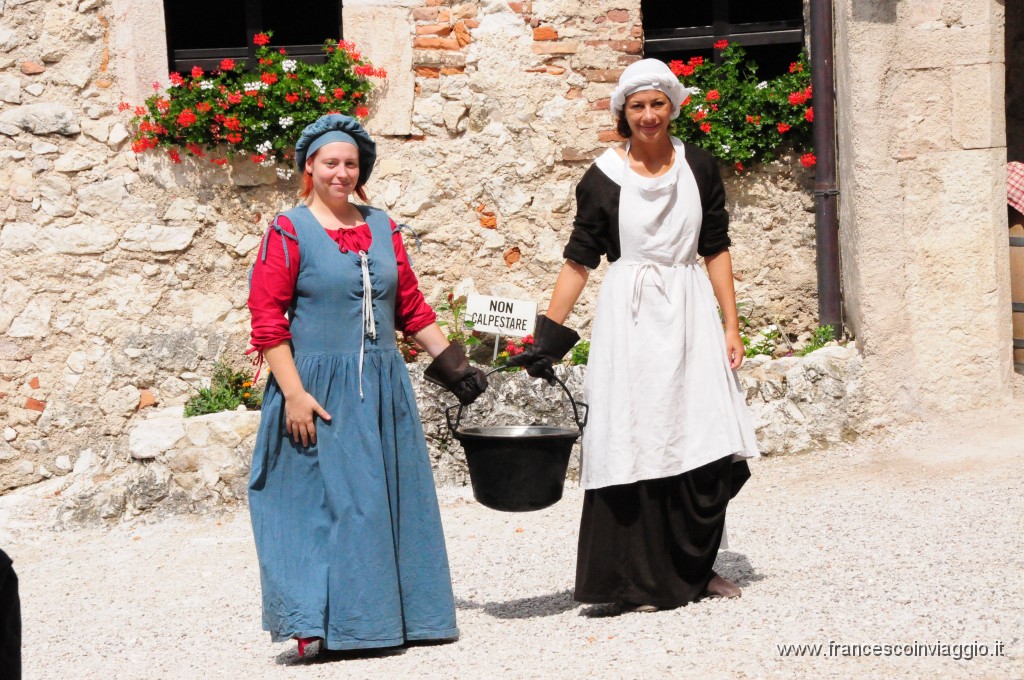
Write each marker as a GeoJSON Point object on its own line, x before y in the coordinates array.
{"type": "Point", "coordinates": [622, 127]}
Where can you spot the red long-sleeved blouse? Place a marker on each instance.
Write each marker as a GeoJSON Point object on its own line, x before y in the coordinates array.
{"type": "Point", "coordinates": [273, 285]}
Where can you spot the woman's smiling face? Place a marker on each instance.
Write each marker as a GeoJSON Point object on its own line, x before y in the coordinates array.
{"type": "Point", "coordinates": [335, 171]}
{"type": "Point", "coordinates": [648, 114]}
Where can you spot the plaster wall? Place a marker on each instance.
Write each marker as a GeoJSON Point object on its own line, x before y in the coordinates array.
{"type": "Point", "coordinates": [923, 232]}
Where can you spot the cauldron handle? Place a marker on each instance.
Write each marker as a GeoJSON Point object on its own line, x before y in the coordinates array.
{"type": "Point", "coordinates": [575, 406]}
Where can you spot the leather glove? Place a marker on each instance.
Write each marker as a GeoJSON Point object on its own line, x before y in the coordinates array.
{"type": "Point", "coordinates": [551, 342]}
{"type": "Point", "coordinates": [451, 370]}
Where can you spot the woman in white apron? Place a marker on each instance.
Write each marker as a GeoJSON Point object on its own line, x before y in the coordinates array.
{"type": "Point", "coordinates": [669, 432]}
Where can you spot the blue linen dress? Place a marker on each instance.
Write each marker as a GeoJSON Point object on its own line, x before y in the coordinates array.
{"type": "Point", "coordinates": [348, 530]}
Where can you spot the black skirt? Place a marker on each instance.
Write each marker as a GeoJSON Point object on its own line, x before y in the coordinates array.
{"type": "Point", "coordinates": [655, 541]}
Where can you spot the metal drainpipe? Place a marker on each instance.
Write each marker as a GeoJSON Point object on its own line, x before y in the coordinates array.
{"type": "Point", "coordinates": [826, 194]}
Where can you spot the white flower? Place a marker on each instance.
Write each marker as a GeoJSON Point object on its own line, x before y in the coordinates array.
{"type": "Point", "coordinates": [694, 90]}
{"type": "Point", "coordinates": [270, 161]}
{"type": "Point", "coordinates": [288, 65]}
{"type": "Point", "coordinates": [284, 173]}
{"type": "Point", "coordinates": [206, 85]}
{"type": "Point", "coordinates": [254, 86]}
{"type": "Point", "coordinates": [285, 121]}
{"type": "Point", "coordinates": [761, 85]}
{"type": "Point", "coordinates": [319, 85]}
{"type": "Point", "coordinates": [726, 148]}
{"type": "Point", "coordinates": [264, 147]}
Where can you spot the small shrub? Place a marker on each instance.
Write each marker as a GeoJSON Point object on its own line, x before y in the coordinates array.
{"type": "Point", "coordinates": [228, 390]}
{"type": "Point", "coordinates": [580, 353]}
{"type": "Point", "coordinates": [821, 336]}
{"type": "Point", "coordinates": [458, 329]}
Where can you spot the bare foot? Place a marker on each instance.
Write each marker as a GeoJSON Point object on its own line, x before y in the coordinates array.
{"type": "Point", "coordinates": [722, 587]}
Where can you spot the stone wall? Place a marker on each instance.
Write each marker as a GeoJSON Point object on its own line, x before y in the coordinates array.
{"type": "Point", "coordinates": [1014, 51]}
{"type": "Point", "coordinates": [922, 173]}
{"type": "Point", "coordinates": [124, 277]}
{"type": "Point", "coordinates": [202, 463]}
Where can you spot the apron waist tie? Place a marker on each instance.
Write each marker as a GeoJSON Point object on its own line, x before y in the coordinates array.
{"type": "Point", "coordinates": [643, 270]}
{"type": "Point", "coordinates": [369, 323]}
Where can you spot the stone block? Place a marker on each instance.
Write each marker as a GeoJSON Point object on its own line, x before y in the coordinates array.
{"type": "Point", "coordinates": [42, 119]}
{"type": "Point", "coordinates": [56, 196]}
{"type": "Point", "coordinates": [158, 433]}
{"type": "Point", "coordinates": [157, 238]}
{"type": "Point", "coordinates": [393, 101]}
{"type": "Point", "coordinates": [100, 197]}
{"type": "Point", "coordinates": [10, 89]}
{"type": "Point", "coordinates": [979, 114]}
{"type": "Point", "coordinates": [74, 162]}
{"type": "Point", "coordinates": [77, 239]}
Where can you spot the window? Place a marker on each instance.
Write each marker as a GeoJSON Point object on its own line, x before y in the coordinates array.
{"type": "Point", "coordinates": [772, 33]}
{"type": "Point", "coordinates": [201, 32]}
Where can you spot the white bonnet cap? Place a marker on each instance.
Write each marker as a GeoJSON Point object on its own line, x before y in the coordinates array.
{"type": "Point", "coordinates": [648, 74]}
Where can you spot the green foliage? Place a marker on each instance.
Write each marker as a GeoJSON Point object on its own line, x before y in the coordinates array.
{"type": "Point", "coordinates": [580, 353]}
{"type": "Point", "coordinates": [739, 118]}
{"type": "Point", "coordinates": [458, 329]}
{"type": "Point", "coordinates": [821, 336]}
{"type": "Point", "coordinates": [228, 390]}
{"type": "Point", "coordinates": [257, 111]}
{"type": "Point", "coordinates": [761, 343]}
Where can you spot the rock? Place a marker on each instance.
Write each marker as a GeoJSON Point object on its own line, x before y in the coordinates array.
{"type": "Point", "coordinates": [35, 89]}
{"type": "Point", "coordinates": [31, 68]}
{"type": "Point", "coordinates": [10, 434]}
{"type": "Point", "coordinates": [159, 432]}
{"type": "Point", "coordinates": [99, 198]}
{"type": "Point", "coordinates": [228, 428]}
{"type": "Point", "coordinates": [118, 135]}
{"type": "Point", "coordinates": [42, 119]}
{"type": "Point", "coordinates": [44, 148]}
{"type": "Point", "coordinates": [225, 235]}
{"type": "Point", "coordinates": [147, 486]}
{"type": "Point", "coordinates": [34, 320]}
{"type": "Point", "coordinates": [420, 195]}
{"type": "Point", "coordinates": [77, 239]}
{"type": "Point", "coordinates": [76, 362]}
{"type": "Point", "coordinates": [96, 129]}
{"type": "Point", "coordinates": [74, 163]}
{"type": "Point", "coordinates": [157, 238]}
{"type": "Point", "coordinates": [63, 463]}
{"type": "Point", "coordinates": [56, 196]}
{"type": "Point", "coordinates": [247, 244]}
{"type": "Point", "coordinates": [454, 113]}
{"type": "Point", "coordinates": [10, 89]}
{"type": "Point", "coordinates": [180, 210]}
{"type": "Point", "coordinates": [121, 402]}
{"type": "Point", "coordinates": [8, 38]}
{"type": "Point", "coordinates": [209, 309]}
{"type": "Point", "coordinates": [22, 184]}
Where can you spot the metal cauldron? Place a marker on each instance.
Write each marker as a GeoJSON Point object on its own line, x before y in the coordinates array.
{"type": "Point", "coordinates": [520, 467]}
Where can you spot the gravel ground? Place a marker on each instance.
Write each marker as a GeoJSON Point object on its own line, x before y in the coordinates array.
{"type": "Point", "coordinates": [911, 535]}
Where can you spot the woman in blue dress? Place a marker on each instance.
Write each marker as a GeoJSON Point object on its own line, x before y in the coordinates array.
{"type": "Point", "coordinates": [341, 493]}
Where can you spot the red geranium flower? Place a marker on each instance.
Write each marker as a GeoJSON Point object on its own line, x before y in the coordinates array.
{"type": "Point", "coordinates": [808, 159]}
{"type": "Point", "coordinates": [721, 44]}
{"type": "Point", "coordinates": [699, 116]}
{"type": "Point", "coordinates": [140, 111]}
{"type": "Point", "coordinates": [795, 67]}
{"type": "Point", "coordinates": [268, 78]}
{"type": "Point", "coordinates": [809, 114]}
{"type": "Point", "coordinates": [227, 64]}
{"type": "Point", "coordinates": [175, 156]}
{"type": "Point", "coordinates": [676, 66]}
{"type": "Point", "coordinates": [705, 128]}
{"type": "Point", "coordinates": [258, 158]}
{"type": "Point", "coordinates": [219, 161]}
{"type": "Point", "coordinates": [783, 127]}
{"type": "Point", "coordinates": [686, 102]}
{"type": "Point", "coordinates": [713, 95]}
{"type": "Point", "coordinates": [176, 78]}
{"type": "Point", "coordinates": [197, 72]}
{"type": "Point", "coordinates": [696, 61]}
{"type": "Point", "coordinates": [322, 99]}
{"type": "Point", "coordinates": [234, 138]}
{"type": "Point", "coordinates": [291, 97]}
{"type": "Point", "coordinates": [261, 39]}
{"type": "Point", "coordinates": [797, 98]}
{"type": "Point", "coordinates": [754, 120]}
{"type": "Point", "coordinates": [338, 93]}
{"type": "Point", "coordinates": [234, 97]}
{"type": "Point", "coordinates": [203, 107]}
{"type": "Point", "coordinates": [123, 106]}
{"type": "Point", "coordinates": [362, 112]}
{"type": "Point", "coordinates": [739, 166]}
{"type": "Point", "coordinates": [232, 123]}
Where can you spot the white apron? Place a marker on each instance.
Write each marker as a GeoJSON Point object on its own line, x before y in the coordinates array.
{"type": "Point", "coordinates": [662, 397]}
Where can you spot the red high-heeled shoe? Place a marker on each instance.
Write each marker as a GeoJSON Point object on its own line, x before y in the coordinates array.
{"type": "Point", "coordinates": [306, 642]}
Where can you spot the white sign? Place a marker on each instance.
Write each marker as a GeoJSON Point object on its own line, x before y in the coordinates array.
{"type": "Point", "coordinates": [500, 315]}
